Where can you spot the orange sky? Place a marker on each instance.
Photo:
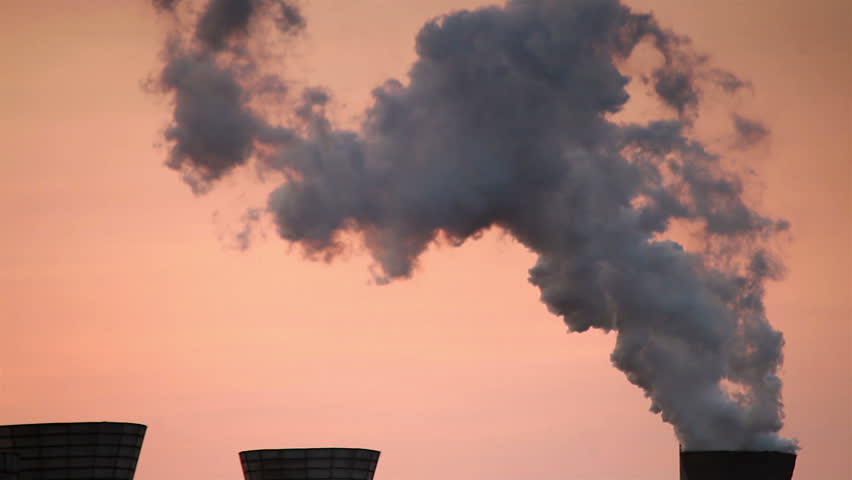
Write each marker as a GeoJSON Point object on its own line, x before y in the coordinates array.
{"type": "Point", "coordinates": [121, 300]}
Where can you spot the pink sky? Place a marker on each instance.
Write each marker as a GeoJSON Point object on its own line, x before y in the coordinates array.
{"type": "Point", "coordinates": [121, 300]}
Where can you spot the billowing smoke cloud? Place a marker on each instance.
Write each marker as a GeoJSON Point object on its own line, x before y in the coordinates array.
{"type": "Point", "coordinates": [506, 121]}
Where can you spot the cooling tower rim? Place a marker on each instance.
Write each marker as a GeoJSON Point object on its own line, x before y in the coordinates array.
{"type": "Point", "coordinates": [740, 452]}
{"type": "Point", "coordinates": [13, 425]}
{"type": "Point", "coordinates": [290, 449]}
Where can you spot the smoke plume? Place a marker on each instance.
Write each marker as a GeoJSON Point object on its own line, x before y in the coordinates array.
{"type": "Point", "coordinates": [506, 121]}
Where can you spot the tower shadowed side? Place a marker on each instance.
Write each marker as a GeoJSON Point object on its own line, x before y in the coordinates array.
{"type": "Point", "coordinates": [309, 464]}
{"type": "Point", "coordinates": [736, 465]}
{"type": "Point", "coordinates": [72, 451]}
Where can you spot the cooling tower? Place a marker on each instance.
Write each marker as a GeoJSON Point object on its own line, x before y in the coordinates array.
{"type": "Point", "coordinates": [309, 464]}
{"type": "Point", "coordinates": [730, 465]}
{"type": "Point", "coordinates": [73, 451]}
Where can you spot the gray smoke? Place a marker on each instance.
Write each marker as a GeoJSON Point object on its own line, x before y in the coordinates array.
{"type": "Point", "coordinates": [505, 121]}
{"type": "Point", "coordinates": [165, 4]}
{"type": "Point", "coordinates": [748, 133]}
{"type": "Point", "coordinates": [223, 20]}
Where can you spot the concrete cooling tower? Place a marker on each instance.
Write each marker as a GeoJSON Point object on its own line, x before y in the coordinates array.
{"type": "Point", "coordinates": [309, 464]}
{"type": "Point", "coordinates": [70, 451]}
{"type": "Point", "coordinates": [732, 465]}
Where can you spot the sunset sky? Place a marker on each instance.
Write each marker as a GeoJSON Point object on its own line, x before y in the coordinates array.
{"type": "Point", "coordinates": [125, 299]}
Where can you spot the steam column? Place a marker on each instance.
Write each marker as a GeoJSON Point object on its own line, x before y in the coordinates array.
{"type": "Point", "coordinates": [309, 464]}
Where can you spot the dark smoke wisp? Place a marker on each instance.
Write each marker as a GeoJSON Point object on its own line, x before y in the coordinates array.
{"type": "Point", "coordinates": [506, 121]}
{"type": "Point", "coordinates": [748, 132]}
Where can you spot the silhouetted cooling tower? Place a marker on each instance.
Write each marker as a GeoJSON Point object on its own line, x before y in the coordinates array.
{"type": "Point", "coordinates": [310, 464]}
{"type": "Point", "coordinates": [730, 465]}
{"type": "Point", "coordinates": [73, 451]}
